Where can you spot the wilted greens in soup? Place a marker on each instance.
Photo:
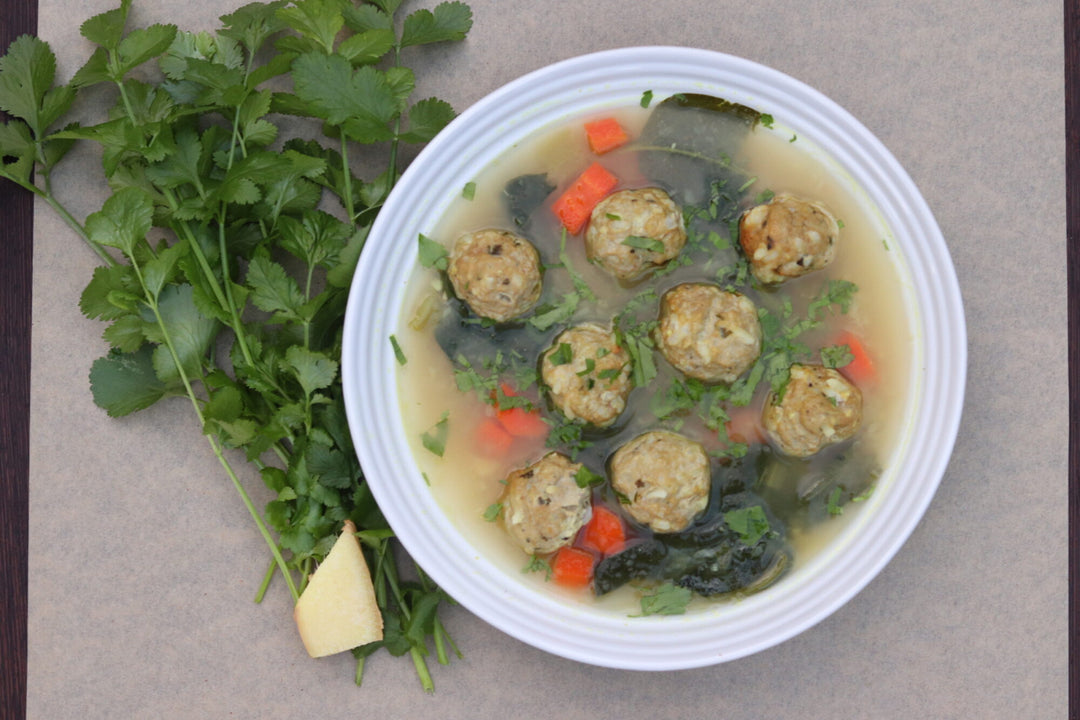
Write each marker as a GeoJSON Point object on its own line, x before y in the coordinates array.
{"type": "Point", "coordinates": [659, 350]}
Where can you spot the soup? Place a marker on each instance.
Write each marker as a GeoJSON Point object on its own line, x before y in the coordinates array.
{"type": "Point", "coordinates": [691, 474]}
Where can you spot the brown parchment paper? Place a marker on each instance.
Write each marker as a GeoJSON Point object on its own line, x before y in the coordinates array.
{"type": "Point", "coordinates": [143, 562]}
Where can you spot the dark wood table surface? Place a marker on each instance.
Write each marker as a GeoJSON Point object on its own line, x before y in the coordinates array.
{"type": "Point", "coordinates": [16, 240]}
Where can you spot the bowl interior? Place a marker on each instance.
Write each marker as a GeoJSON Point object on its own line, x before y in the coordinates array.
{"type": "Point", "coordinates": [583, 86]}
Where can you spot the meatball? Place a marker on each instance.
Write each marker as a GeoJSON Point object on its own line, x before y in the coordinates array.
{"type": "Point", "coordinates": [632, 231]}
{"type": "Point", "coordinates": [788, 237]}
{"type": "Point", "coordinates": [587, 374]}
{"type": "Point", "coordinates": [708, 333]}
{"type": "Point", "coordinates": [664, 477]}
{"type": "Point", "coordinates": [496, 273]}
{"type": "Point", "coordinates": [819, 407]}
{"type": "Point", "coordinates": [543, 507]}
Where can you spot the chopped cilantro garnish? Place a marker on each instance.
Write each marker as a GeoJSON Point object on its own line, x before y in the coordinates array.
{"type": "Point", "coordinates": [766, 120]}
{"type": "Point", "coordinates": [579, 283]}
{"type": "Point", "coordinates": [749, 523]}
{"type": "Point", "coordinates": [585, 478]}
{"type": "Point", "coordinates": [646, 98]}
{"type": "Point", "coordinates": [568, 435]}
{"type": "Point", "coordinates": [491, 514]}
{"type": "Point", "coordinates": [547, 316]}
{"type": "Point", "coordinates": [538, 564]}
{"type": "Point", "coordinates": [836, 356]}
{"type": "Point", "coordinates": [469, 191]}
{"type": "Point", "coordinates": [746, 185]}
{"type": "Point", "coordinates": [865, 494]}
{"type": "Point", "coordinates": [644, 243]}
{"type": "Point", "coordinates": [667, 599]}
{"type": "Point", "coordinates": [837, 292]}
{"type": "Point", "coordinates": [834, 506]}
{"type": "Point", "coordinates": [435, 438]}
{"type": "Point", "coordinates": [401, 359]}
{"type": "Point", "coordinates": [563, 355]}
{"type": "Point", "coordinates": [432, 254]}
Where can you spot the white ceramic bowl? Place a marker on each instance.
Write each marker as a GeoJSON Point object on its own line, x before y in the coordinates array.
{"type": "Point", "coordinates": [726, 631]}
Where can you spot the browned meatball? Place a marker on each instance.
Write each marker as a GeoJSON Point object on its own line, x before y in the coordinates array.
{"type": "Point", "coordinates": [788, 237]}
{"type": "Point", "coordinates": [664, 477]}
{"type": "Point", "coordinates": [632, 231]}
{"type": "Point", "coordinates": [819, 407]}
{"type": "Point", "coordinates": [543, 507]}
{"type": "Point", "coordinates": [587, 374]}
{"type": "Point", "coordinates": [496, 273]}
{"type": "Point", "coordinates": [708, 333]}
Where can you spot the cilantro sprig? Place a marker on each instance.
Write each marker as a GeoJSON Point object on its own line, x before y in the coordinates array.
{"type": "Point", "coordinates": [227, 249]}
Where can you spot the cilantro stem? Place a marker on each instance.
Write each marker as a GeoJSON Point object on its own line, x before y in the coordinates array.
{"type": "Point", "coordinates": [71, 222]}
{"type": "Point", "coordinates": [346, 179]}
{"type": "Point", "coordinates": [215, 446]}
{"type": "Point", "coordinates": [265, 584]}
{"type": "Point", "coordinates": [422, 669]}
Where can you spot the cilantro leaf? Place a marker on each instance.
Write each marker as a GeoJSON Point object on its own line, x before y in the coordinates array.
{"type": "Point", "coordinates": [432, 254]}
{"type": "Point", "coordinates": [644, 243]}
{"type": "Point", "coordinates": [123, 221]}
{"type": "Point", "coordinates": [836, 356]}
{"type": "Point", "coordinates": [434, 439]}
{"type": "Point", "coordinates": [313, 370]}
{"type": "Point", "coordinates": [749, 523]}
{"type": "Point", "coordinates": [667, 599]}
{"type": "Point", "coordinates": [360, 101]}
{"type": "Point", "coordinates": [318, 20]}
{"type": "Point", "coordinates": [123, 383]}
{"type": "Point", "coordinates": [547, 316]}
{"type": "Point", "coordinates": [273, 290]}
{"type": "Point", "coordinates": [27, 72]}
{"type": "Point", "coordinates": [586, 478]}
{"type": "Point", "coordinates": [141, 45]}
{"type": "Point", "coordinates": [369, 17]}
{"type": "Point", "coordinates": [368, 46]}
{"type": "Point", "coordinates": [107, 28]}
{"type": "Point", "coordinates": [190, 334]}
{"type": "Point", "coordinates": [448, 21]}
{"type": "Point", "coordinates": [426, 119]}
{"type": "Point", "coordinates": [253, 24]}
{"type": "Point", "coordinates": [17, 152]}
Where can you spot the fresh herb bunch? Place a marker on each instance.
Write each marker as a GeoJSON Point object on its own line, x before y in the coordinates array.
{"type": "Point", "coordinates": [224, 276]}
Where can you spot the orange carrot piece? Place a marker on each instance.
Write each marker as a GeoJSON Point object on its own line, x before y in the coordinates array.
{"type": "Point", "coordinates": [519, 421]}
{"type": "Point", "coordinates": [744, 425]}
{"type": "Point", "coordinates": [605, 532]}
{"type": "Point", "coordinates": [576, 203]}
{"type": "Point", "coordinates": [605, 135]}
{"type": "Point", "coordinates": [860, 370]}
{"type": "Point", "coordinates": [572, 567]}
{"type": "Point", "coordinates": [492, 438]}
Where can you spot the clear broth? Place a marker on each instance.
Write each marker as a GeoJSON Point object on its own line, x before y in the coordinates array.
{"type": "Point", "coordinates": [466, 483]}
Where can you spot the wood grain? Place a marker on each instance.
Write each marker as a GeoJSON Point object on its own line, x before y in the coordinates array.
{"type": "Point", "coordinates": [16, 240]}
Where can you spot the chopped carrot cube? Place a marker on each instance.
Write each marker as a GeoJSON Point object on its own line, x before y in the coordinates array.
{"type": "Point", "coordinates": [519, 421]}
{"type": "Point", "coordinates": [605, 135]}
{"type": "Point", "coordinates": [605, 532]}
{"type": "Point", "coordinates": [492, 438]}
{"type": "Point", "coordinates": [861, 369]}
{"type": "Point", "coordinates": [576, 203]}
{"type": "Point", "coordinates": [572, 567]}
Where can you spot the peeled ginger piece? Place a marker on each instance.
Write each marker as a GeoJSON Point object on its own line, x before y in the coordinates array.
{"type": "Point", "coordinates": [337, 610]}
